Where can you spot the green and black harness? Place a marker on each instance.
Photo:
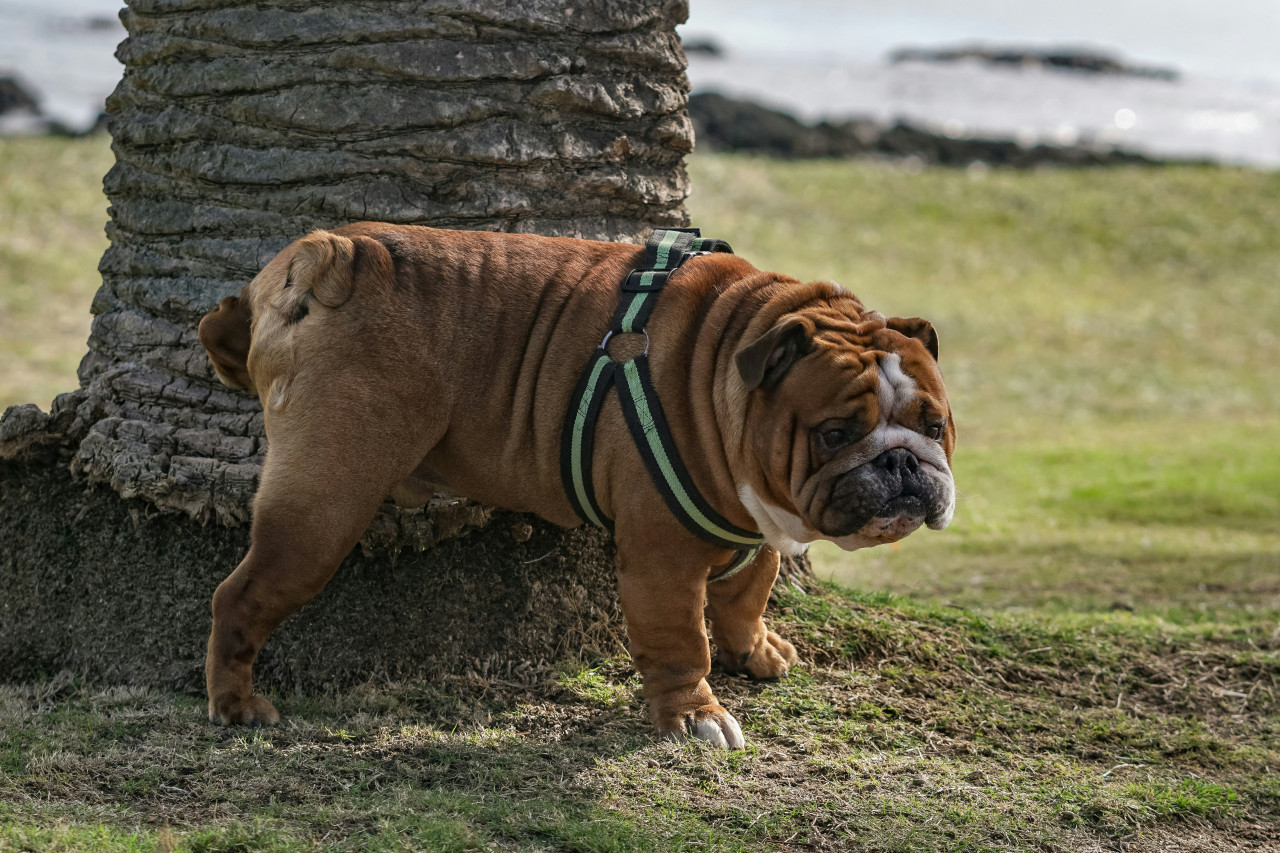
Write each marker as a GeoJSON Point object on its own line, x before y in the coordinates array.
{"type": "Point", "coordinates": [666, 250]}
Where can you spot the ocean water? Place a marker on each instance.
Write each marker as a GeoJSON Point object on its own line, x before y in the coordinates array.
{"type": "Point", "coordinates": [827, 59]}
{"type": "Point", "coordinates": [1230, 39]}
{"type": "Point", "coordinates": [64, 52]}
{"type": "Point", "coordinates": [1197, 117]}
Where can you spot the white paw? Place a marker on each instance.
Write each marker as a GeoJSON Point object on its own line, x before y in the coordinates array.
{"type": "Point", "coordinates": [720, 730]}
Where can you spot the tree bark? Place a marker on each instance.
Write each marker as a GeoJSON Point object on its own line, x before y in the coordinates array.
{"type": "Point", "coordinates": [240, 126]}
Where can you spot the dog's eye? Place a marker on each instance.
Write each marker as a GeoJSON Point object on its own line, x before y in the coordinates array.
{"type": "Point", "coordinates": [936, 430]}
{"type": "Point", "coordinates": [834, 437]}
{"type": "Point", "coordinates": [834, 434]}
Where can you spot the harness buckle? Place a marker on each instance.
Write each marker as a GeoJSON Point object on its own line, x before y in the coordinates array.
{"type": "Point", "coordinates": [635, 283]}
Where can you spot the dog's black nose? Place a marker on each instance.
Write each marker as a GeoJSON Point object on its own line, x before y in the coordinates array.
{"type": "Point", "coordinates": [898, 461]}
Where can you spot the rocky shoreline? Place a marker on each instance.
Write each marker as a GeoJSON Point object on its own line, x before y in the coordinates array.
{"type": "Point", "coordinates": [727, 124]}
{"type": "Point", "coordinates": [1070, 59]}
{"type": "Point", "coordinates": [21, 113]}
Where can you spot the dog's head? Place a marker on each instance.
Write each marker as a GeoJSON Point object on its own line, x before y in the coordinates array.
{"type": "Point", "coordinates": [849, 426]}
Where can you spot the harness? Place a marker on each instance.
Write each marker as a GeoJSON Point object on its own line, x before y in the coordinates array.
{"type": "Point", "coordinates": [666, 250]}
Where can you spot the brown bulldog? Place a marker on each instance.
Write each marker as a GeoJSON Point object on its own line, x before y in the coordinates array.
{"type": "Point", "coordinates": [397, 360]}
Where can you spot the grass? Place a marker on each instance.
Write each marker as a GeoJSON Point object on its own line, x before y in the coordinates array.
{"type": "Point", "coordinates": [1110, 343]}
{"type": "Point", "coordinates": [1086, 660]}
{"type": "Point", "coordinates": [911, 728]}
{"type": "Point", "coordinates": [52, 213]}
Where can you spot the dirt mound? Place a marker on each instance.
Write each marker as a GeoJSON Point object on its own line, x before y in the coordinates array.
{"type": "Point", "coordinates": [515, 594]}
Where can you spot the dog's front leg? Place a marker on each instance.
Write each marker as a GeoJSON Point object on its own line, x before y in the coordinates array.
{"type": "Point", "coordinates": [662, 588]}
{"type": "Point", "coordinates": [736, 609]}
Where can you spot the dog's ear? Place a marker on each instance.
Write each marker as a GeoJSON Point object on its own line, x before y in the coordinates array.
{"type": "Point", "coordinates": [920, 329]}
{"type": "Point", "coordinates": [762, 364]}
{"type": "Point", "coordinates": [225, 334]}
{"type": "Point", "coordinates": [324, 263]}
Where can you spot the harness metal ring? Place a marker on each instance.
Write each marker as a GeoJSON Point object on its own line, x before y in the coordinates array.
{"type": "Point", "coordinates": [645, 332]}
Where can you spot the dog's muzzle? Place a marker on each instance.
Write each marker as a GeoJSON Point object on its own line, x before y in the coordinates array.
{"type": "Point", "coordinates": [886, 498]}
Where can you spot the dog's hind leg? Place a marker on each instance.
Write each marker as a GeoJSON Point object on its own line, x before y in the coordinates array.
{"type": "Point", "coordinates": [736, 609]}
{"type": "Point", "coordinates": [312, 506]}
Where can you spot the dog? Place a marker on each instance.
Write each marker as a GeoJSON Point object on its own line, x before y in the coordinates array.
{"type": "Point", "coordinates": [399, 360]}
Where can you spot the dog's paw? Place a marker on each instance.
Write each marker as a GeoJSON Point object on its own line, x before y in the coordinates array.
{"type": "Point", "coordinates": [254, 711]}
{"type": "Point", "coordinates": [769, 660]}
{"type": "Point", "coordinates": [710, 723]}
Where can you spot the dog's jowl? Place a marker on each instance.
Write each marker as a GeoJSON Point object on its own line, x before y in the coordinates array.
{"type": "Point", "coordinates": [737, 406]}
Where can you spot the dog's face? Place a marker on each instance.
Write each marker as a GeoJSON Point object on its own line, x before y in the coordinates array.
{"type": "Point", "coordinates": [850, 428]}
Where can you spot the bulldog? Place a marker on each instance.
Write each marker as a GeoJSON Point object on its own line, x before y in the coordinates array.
{"type": "Point", "coordinates": [395, 361]}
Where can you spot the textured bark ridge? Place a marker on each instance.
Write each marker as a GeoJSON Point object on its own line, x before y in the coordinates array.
{"type": "Point", "coordinates": [240, 126]}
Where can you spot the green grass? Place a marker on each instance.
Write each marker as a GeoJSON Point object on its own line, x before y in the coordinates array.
{"type": "Point", "coordinates": [52, 213]}
{"type": "Point", "coordinates": [911, 728]}
{"type": "Point", "coordinates": [1111, 344]}
{"type": "Point", "coordinates": [1086, 659]}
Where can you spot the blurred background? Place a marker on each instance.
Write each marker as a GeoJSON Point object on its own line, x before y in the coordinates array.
{"type": "Point", "coordinates": [1081, 196]}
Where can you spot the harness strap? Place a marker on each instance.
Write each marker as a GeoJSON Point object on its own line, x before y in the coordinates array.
{"type": "Point", "coordinates": [578, 439]}
{"type": "Point", "coordinates": [648, 426]}
{"type": "Point", "coordinates": [665, 251]}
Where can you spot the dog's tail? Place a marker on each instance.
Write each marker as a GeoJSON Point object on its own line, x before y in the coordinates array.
{"type": "Point", "coordinates": [329, 265]}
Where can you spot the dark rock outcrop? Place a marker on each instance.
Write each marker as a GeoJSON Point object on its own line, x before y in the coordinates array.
{"type": "Point", "coordinates": [704, 47]}
{"type": "Point", "coordinates": [725, 124]}
{"type": "Point", "coordinates": [14, 95]}
{"type": "Point", "coordinates": [1078, 59]}
{"type": "Point", "coordinates": [20, 113]}
{"type": "Point", "coordinates": [925, 145]}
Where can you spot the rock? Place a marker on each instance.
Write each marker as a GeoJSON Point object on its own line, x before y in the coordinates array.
{"type": "Point", "coordinates": [703, 47]}
{"type": "Point", "coordinates": [99, 125]}
{"type": "Point", "coordinates": [14, 95]}
{"type": "Point", "coordinates": [1079, 59]}
{"type": "Point", "coordinates": [20, 109]}
{"type": "Point", "coordinates": [725, 124]}
{"type": "Point", "coordinates": [99, 23]}
{"type": "Point", "coordinates": [931, 146]}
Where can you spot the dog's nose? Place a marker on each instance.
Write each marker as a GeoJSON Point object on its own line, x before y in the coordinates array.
{"type": "Point", "coordinates": [898, 461]}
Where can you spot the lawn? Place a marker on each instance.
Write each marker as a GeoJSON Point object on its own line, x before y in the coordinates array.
{"type": "Point", "coordinates": [52, 211]}
{"type": "Point", "coordinates": [1111, 344]}
{"type": "Point", "coordinates": [1086, 660]}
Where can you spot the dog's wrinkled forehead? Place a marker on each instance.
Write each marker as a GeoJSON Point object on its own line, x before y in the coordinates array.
{"type": "Point", "coordinates": [872, 356]}
{"type": "Point", "coordinates": [895, 388]}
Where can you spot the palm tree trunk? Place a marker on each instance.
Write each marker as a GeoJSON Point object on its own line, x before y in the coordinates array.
{"type": "Point", "coordinates": [239, 127]}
